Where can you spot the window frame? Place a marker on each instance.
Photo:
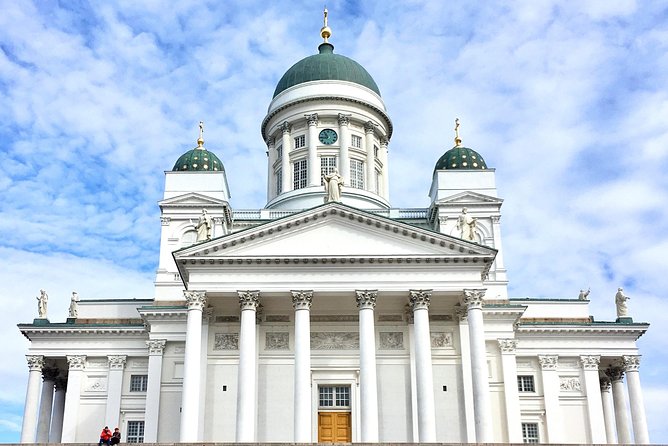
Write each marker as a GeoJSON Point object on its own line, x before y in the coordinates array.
{"type": "Point", "coordinates": [340, 397]}
{"type": "Point", "coordinates": [143, 383]}
{"type": "Point", "coordinates": [530, 437]}
{"type": "Point", "coordinates": [300, 141]}
{"type": "Point", "coordinates": [300, 174]}
{"type": "Point", "coordinates": [137, 437]}
{"type": "Point", "coordinates": [526, 384]}
{"type": "Point", "coordinates": [356, 141]}
{"type": "Point", "coordinates": [327, 166]}
{"type": "Point", "coordinates": [356, 173]}
{"type": "Point", "coordinates": [279, 181]}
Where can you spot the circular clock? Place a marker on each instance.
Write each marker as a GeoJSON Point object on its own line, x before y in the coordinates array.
{"type": "Point", "coordinates": [328, 136]}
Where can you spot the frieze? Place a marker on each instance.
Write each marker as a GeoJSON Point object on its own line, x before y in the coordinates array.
{"type": "Point", "coordinates": [226, 341]}
{"type": "Point", "coordinates": [335, 340]}
{"type": "Point", "coordinates": [335, 318]}
{"type": "Point", "coordinates": [441, 339]}
{"type": "Point", "coordinates": [138, 364]}
{"type": "Point", "coordinates": [390, 318]}
{"type": "Point", "coordinates": [223, 319]}
{"type": "Point", "coordinates": [391, 340]}
{"type": "Point", "coordinates": [277, 341]}
{"type": "Point", "coordinates": [276, 318]}
{"type": "Point", "coordinates": [570, 384]}
{"type": "Point", "coordinates": [95, 384]}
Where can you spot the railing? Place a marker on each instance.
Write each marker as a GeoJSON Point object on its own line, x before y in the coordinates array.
{"type": "Point", "coordinates": [269, 214]}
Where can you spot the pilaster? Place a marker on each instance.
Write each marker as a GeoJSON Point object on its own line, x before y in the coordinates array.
{"type": "Point", "coordinates": [114, 389]}
{"type": "Point", "coordinates": [313, 166]}
{"type": "Point", "coordinates": [286, 128]}
{"type": "Point", "coordinates": [508, 348]}
{"type": "Point", "coordinates": [156, 347]}
{"type": "Point", "coordinates": [76, 365]}
{"type": "Point", "coordinates": [549, 365]}
{"type": "Point", "coordinates": [369, 129]}
{"type": "Point", "coordinates": [590, 366]}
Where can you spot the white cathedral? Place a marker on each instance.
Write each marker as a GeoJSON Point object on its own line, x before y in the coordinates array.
{"type": "Point", "coordinates": [329, 315]}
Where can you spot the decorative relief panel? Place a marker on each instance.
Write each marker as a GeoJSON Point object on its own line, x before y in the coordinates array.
{"type": "Point", "coordinates": [222, 319]}
{"type": "Point", "coordinates": [97, 363]}
{"type": "Point", "coordinates": [277, 341]}
{"type": "Point", "coordinates": [226, 341]}
{"type": "Point", "coordinates": [335, 340]}
{"type": "Point", "coordinates": [390, 318]}
{"type": "Point", "coordinates": [138, 364]}
{"type": "Point", "coordinates": [440, 339]}
{"type": "Point", "coordinates": [95, 384]}
{"type": "Point", "coordinates": [334, 318]}
{"type": "Point", "coordinates": [391, 340]}
{"type": "Point", "coordinates": [180, 349]}
{"type": "Point", "coordinates": [276, 318]}
{"type": "Point", "coordinates": [440, 317]}
{"type": "Point", "coordinates": [570, 384]}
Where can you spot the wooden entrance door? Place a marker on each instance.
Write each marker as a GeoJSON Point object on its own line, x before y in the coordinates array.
{"type": "Point", "coordinates": [334, 427]}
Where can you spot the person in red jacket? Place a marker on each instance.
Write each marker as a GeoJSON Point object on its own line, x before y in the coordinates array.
{"type": "Point", "coordinates": [105, 436]}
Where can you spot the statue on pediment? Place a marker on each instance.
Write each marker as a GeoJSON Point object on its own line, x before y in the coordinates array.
{"type": "Point", "coordinates": [333, 186]}
{"type": "Point", "coordinates": [203, 227]}
{"type": "Point", "coordinates": [42, 301]}
{"type": "Point", "coordinates": [620, 301]}
{"type": "Point", "coordinates": [74, 305]}
{"type": "Point", "coordinates": [467, 225]}
{"type": "Point", "coordinates": [584, 294]}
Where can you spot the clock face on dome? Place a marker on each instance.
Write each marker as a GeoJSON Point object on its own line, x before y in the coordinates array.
{"type": "Point", "coordinates": [328, 136]}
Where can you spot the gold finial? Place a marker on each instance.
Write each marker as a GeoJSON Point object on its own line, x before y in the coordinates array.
{"type": "Point", "coordinates": [200, 140]}
{"type": "Point", "coordinates": [325, 31]}
{"type": "Point", "coordinates": [458, 140]}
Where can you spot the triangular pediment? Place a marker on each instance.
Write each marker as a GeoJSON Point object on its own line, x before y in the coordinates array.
{"type": "Point", "coordinates": [192, 199]}
{"type": "Point", "coordinates": [469, 198]}
{"type": "Point", "coordinates": [334, 230]}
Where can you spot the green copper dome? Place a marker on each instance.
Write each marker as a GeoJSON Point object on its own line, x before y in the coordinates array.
{"type": "Point", "coordinates": [326, 66]}
{"type": "Point", "coordinates": [198, 159]}
{"type": "Point", "coordinates": [460, 158]}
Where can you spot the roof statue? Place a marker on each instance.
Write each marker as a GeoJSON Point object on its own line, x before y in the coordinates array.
{"type": "Point", "coordinates": [466, 225]}
{"type": "Point", "coordinates": [333, 185]}
{"type": "Point", "coordinates": [74, 305]}
{"type": "Point", "coordinates": [458, 140]}
{"type": "Point", "coordinates": [583, 294]}
{"type": "Point", "coordinates": [204, 225]}
{"type": "Point", "coordinates": [42, 301]}
{"type": "Point", "coordinates": [620, 301]}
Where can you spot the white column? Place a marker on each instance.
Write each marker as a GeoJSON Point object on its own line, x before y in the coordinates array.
{"type": "Point", "coordinates": [207, 313]}
{"type": "Point", "coordinates": [196, 301]}
{"type": "Point", "coordinates": [590, 366]}
{"type": "Point", "coordinates": [512, 397]}
{"type": "Point", "coordinates": [301, 302]}
{"type": "Point", "coordinates": [608, 411]}
{"type": "Point", "coordinates": [286, 182]}
{"type": "Point", "coordinates": [366, 302]}
{"type": "Point", "coordinates": [114, 390]}
{"type": "Point", "coordinates": [370, 163]}
{"type": "Point", "coordinates": [473, 300]}
{"type": "Point", "coordinates": [56, 429]}
{"type": "Point", "coordinates": [640, 432]}
{"type": "Point", "coordinates": [549, 365]}
{"type": "Point", "coordinates": [29, 428]}
{"type": "Point", "coordinates": [616, 375]}
{"type": "Point", "coordinates": [467, 382]}
{"type": "Point", "coordinates": [385, 185]}
{"type": "Point", "coordinates": [271, 181]}
{"type": "Point", "coordinates": [247, 380]}
{"type": "Point", "coordinates": [419, 302]}
{"type": "Point", "coordinates": [72, 398]}
{"type": "Point", "coordinates": [413, 370]}
{"type": "Point", "coordinates": [46, 404]}
{"type": "Point", "coordinates": [156, 347]}
{"type": "Point", "coordinates": [313, 165]}
{"type": "Point", "coordinates": [344, 143]}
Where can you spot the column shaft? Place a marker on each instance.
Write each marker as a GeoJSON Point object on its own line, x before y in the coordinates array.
{"type": "Point", "coordinates": [385, 193]}
{"type": "Point", "coordinates": [58, 411]}
{"type": "Point", "coordinates": [114, 390]}
{"type": "Point", "coordinates": [419, 300]}
{"type": "Point", "coordinates": [285, 158]}
{"type": "Point", "coordinates": [549, 365]}
{"type": "Point", "coordinates": [467, 381]}
{"type": "Point", "coordinates": [301, 301]}
{"type": "Point", "coordinates": [594, 403]}
{"type": "Point", "coordinates": [155, 350]}
{"type": "Point", "coordinates": [46, 404]}
{"type": "Point", "coordinates": [72, 398]}
{"type": "Point", "coordinates": [29, 427]}
{"type": "Point", "coordinates": [479, 372]}
{"type": "Point", "coordinates": [271, 182]}
{"type": "Point", "coordinates": [608, 411]}
{"type": "Point", "coordinates": [370, 163]}
{"type": "Point", "coordinates": [640, 431]}
{"type": "Point", "coordinates": [196, 300]}
{"type": "Point", "coordinates": [247, 380]}
{"type": "Point", "coordinates": [313, 165]}
{"type": "Point", "coordinates": [344, 144]}
{"type": "Point", "coordinates": [366, 301]}
{"type": "Point", "coordinates": [621, 416]}
{"type": "Point", "coordinates": [512, 398]}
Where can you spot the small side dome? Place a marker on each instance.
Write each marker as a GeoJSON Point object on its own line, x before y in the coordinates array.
{"type": "Point", "coordinates": [460, 158]}
{"type": "Point", "coordinates": [198, 159]}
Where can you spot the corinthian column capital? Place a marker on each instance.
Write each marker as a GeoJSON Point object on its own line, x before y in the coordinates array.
{"type": "Point", "coordinates": [312, 119]}
{"type": "Point", "coordinates": [366, 298]}
{"type": "Point", "coordinates": [631, 363]}
{"type": "Point", "coordinates": [116, 362]}
{"type": "Point", "coordinates": [35, 362]}
{"type": "Point", "coordinates": [473, 298]}
{"type": "Point", "coordinates": [548, 362]}
{"type": "Point", "coordinates": [615, 373]}
{"type": "Point", "coordinates": [156, 346]}
{"type": "Point", "coordinates": [195, 300]}
{"type": "Point", "coordinates": [249, 300]}
{"type": "Point", "coordinates": [420, 299]}
{"type": "Point", "coordinates": [508, 345]}
{"type": "Point", "coordinates": [286, 127]}
{"type": "Point", "coordinates": [302, 299]}
{"type": "Point", "coordinates": [590, 362]}
{"type": "Point", "coordinates": [77, 362]}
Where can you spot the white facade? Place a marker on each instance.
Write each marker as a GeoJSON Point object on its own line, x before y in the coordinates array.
{"type": "Point", "coordinates": [342, 321]}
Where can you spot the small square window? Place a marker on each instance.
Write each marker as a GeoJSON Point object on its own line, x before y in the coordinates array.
{"type": "Point", "coordinates": [356, 141]}
{"type": "Point", "coordinates": [138, 383]}
{"type": "Point", "coordinates": [530, 433]}
{"type": "Point", "coordinates": [135, 432]}
{"type": "Point", "coordinates": [300, 141]}
{"type": "Point", "coordinates": [525, 383]}
{"type": "Point", "coordinates": [334, 396]}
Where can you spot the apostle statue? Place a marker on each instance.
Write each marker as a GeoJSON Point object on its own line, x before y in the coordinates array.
{"type": "Point", "coordinates": [74, 305]}
{"type": "Point", "coordinates": [333, 185]}
{"type": "Point", "coordinates": [620, 301]}
{"type": "Point", "coordinates": [42, 300]}
{"type": "Point", "coordinates": [583, 294]}
{"type": "Point", "coordinates": [204, 225]}
{"type": "Point", "coordinates": [466, 225]}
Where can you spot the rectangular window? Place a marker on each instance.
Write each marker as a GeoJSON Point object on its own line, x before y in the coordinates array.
{"type": "Point", "coordinates": [327, 166]}
{"type": "Point", "coordinates": [377, 182]}
{"type": "Point", "coordinates": [138, 383]}
{"type": "Point", "coordinates": [135, 432]}
{"type": "Point", "coordinates": [279, 152]}
{"type": "Point", "coordinates": [530, 433]}
{"type": "Point", "coordinates": [279, 181]}
{"type": "Point", "coordinates": [300, 141]}
{"type": "Point", "coordinates": [525, 383]}
{"type": "Point", "coordinates": [356, 141]}
{"type": "Point", "coordinates": [334, 396]}
{"type": "Point", "coordinates": [357, 174]}
{"type": "Point", "coordinates": [375, 151]}
{"type": "Point", "coordinates": [299, 178]}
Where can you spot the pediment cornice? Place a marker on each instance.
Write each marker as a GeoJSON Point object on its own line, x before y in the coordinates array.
{"type": "Point", "coordinates": [469, 198]}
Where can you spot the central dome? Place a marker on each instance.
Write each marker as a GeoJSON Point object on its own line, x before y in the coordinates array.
{"type": "Point", "coordinates": [326, 66]}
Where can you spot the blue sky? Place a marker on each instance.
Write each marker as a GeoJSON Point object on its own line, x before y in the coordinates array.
{"type": "Point", "coordinates": [567, 100]}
